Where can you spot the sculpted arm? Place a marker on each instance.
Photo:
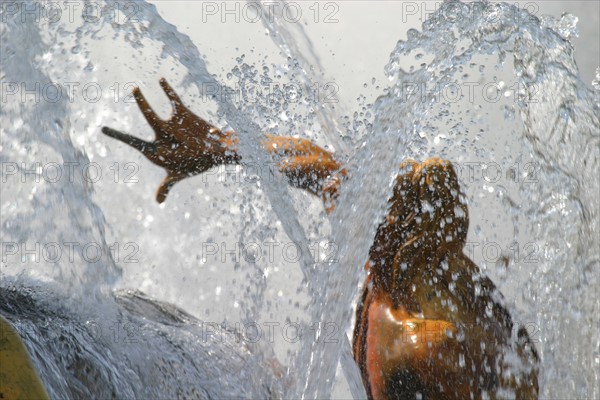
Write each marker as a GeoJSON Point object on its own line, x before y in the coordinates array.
{"type": "Point", "coordinates": [186, 145]}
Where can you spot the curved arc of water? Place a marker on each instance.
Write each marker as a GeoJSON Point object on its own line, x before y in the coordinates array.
{"type": "Point", "coordinates": [290, 37]}
{"type": "Point", "coordinates": [99, 277]}
{"type": "Point", "coordinates": [187, 53]}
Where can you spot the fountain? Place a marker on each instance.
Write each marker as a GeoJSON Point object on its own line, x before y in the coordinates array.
{"type": "Point", "coordinates": [255, 263]}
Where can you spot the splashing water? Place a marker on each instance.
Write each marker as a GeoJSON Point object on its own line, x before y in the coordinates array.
{"type": "Point", "coordinates": [487, 86]}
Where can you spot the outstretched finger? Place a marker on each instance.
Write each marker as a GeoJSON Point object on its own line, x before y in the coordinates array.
{"type": "Point", "coordinates": [155, 122]}
{"type": "Point", "coordinates": [174, 97]}
{"type": "Point", "coordinates": [166, 185]}
{"type": "Point", "coordinates": [146, 148]}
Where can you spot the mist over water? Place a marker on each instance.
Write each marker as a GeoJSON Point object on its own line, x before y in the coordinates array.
{"type": "Point", "coordinates": [491, 88]}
